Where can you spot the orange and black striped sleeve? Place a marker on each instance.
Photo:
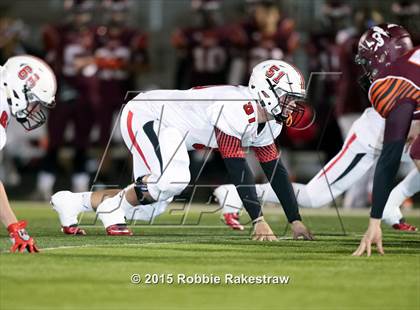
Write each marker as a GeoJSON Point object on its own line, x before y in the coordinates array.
{"type": "Point", "coordinates": [385, 93]}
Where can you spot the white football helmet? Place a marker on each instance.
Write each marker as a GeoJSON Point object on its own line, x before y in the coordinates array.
{"type": "Point", "coordinates": [280, 89]}
{"type": "Point", "coordinates": [30, 86]}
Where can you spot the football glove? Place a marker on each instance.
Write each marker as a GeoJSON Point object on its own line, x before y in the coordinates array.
{"type": "Point", "coordinates": [20, 238]}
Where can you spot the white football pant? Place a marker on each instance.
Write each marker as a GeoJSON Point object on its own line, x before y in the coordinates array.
{"type": "Point", "coordinates": [157, 151]}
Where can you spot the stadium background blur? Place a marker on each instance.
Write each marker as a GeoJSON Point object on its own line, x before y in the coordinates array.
{"type": "Point", "coordinates": [100, 50]}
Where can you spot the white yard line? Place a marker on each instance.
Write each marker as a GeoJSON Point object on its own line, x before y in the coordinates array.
{"type": "Point", "coordinates": [105, 245]}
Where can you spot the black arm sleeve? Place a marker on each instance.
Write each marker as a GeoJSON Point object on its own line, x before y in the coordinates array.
{"type": "Point", "coordinates": [242, 177]}
{"type": "Point", "coordinates": [279, 180]}
{"type": "Point", "coordinates": [397, 126]}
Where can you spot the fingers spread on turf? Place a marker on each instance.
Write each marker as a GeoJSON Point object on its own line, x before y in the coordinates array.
{"type": "Point", "coordinates": [272, 238]}
{"type": "Point", "coordinates": [380, 247]}
{"type": "Point", "coordinates": [14, 248]}
{"type": "Point", "coordinates": [360, 250]}
{"type": "Point", "coordinates": [308, 236]}
{"type": "Point", "coordinates": [33, 248]}
{"type": "Point", "coordinates": [368, 247]}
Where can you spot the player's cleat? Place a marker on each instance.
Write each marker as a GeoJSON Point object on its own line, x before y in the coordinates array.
{"type": "Point", "coordinates": [404, 227]}
{"type": "Point", "coordinates": [118, 230]}
{"type": "Point", "coordinates": [73, 230]}
{"type": "Point", "coordinates": [232, 220]}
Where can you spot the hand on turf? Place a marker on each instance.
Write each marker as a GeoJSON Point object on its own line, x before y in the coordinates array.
{"type": "Point", "coordinates": [372, 236]}
{"type": "Point", "coordinates": [300, 230]}
{"type": "Point", "coordinates": [20, 238]}
{"type": "Point", "coordinates": [263, 232]}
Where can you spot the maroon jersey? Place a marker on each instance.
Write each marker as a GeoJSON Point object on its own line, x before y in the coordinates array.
{"type": "Point", "coordinates": [207, 54]}
{"type": "Point", "coordinates": [398, 83]}
{"type": "Point", "coordinates": [262, 46]}
{"type": "Point", "coordinates": [65, 45]}
{"type": "Point", "coordinates": [118, 50]}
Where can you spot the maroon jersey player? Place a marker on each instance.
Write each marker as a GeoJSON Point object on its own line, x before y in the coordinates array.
{"type": "Point", "coordinates": [203, 49]}
{"type": "Point", "coordinates": [69, 46]}
{"type": "Point", "coordinates": [392, 75]}
{"type": "Point", "coordinates": [121, 52]}
{"type": "Point", "coordinates": [266, 35]}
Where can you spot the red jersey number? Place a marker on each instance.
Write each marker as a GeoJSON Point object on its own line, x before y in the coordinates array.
{"type": "Point", "coordinates": [249, 110]}
{"type": "Point", "coordinates": [4, 119]}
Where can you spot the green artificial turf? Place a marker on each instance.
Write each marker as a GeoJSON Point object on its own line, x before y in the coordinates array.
{"type": "Point", "coordinates": [93, 272]}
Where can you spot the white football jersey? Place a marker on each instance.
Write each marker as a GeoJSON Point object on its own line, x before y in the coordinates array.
{"type": "Point", "coordinates": [4, 113]}
{"type": "Point", "coordinates": [195, 112]}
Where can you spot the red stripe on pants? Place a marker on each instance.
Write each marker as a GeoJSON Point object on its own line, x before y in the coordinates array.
{"type": "Point", "coordinates": [133, 138]}
{"type": "Point", "coordinates": [340, 155]}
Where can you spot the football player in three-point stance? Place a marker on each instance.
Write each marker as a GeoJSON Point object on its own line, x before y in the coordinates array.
{"type": "Point", "coordinates": [27, 87]}
{"type": "Point", "coordinates": [392, 73]}
{"type": "Point", "coordinates": [160, 126]}
{"type": "Point", "coordinates": [358, 154]}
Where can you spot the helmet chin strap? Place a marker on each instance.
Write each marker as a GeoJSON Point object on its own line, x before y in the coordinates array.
{"type": "Point", "coordinates": [278, 101]}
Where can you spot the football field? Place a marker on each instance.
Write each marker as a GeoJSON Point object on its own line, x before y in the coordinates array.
{"type": "Point", "coordinates": [96, 271]}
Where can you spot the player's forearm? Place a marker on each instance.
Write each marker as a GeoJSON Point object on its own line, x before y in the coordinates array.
{"type": "Point", "coordinates": [279, 180]}
{"type": "Point", "coordinates": [384, 178]}
{"type": "Point", "coordinates": [241, 176]}
{"type": "Point", "coordinates": [397, 126]}
{"type": "Point", "coordinates": [7, 216]}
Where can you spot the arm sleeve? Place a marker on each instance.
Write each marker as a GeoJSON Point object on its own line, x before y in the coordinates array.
{"type": "Point", "coordinates": [239, 172]}
{"type": "Point", "coordinates": [397, 126]}
{"type": "Point", "coordinates": [279, 180]}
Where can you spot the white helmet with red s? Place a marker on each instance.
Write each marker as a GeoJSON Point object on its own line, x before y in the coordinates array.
{"type": "Point", "coordinates": [280, 89]}
{"type": "Point", "coordinates": [30, 86]}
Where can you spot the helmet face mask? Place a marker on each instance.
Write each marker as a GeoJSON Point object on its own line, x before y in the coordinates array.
{"type": "Point", "coordinates": [30, 86]}
{"type": "Point", "coordinates": [290, 106]}
{"type": "Point", "coordinates": [33, 115]}
{"type": "Point", "coordinates": [366, 79]}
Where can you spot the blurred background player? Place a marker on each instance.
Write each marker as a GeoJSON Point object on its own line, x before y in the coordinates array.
{"type": "Point", "coordinates": [70, 48]}
{"type": "Point", "coordinates": [266, 33]}
{"type": "Point", "coordinates": [407, 14]}
{"type": "Point", "coordinates": [203, 48]}
{"type": "Point", "coordinates": [120, 54]}
{"type": "Point", "coordinates": [27, 88]}
{"type": "Point", "coordinates": [322, 49]}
